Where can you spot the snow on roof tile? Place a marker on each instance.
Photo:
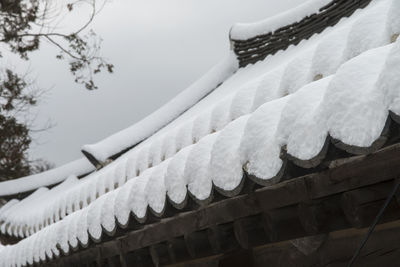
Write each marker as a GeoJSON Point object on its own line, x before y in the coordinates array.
{"type": "Point", "coordinates": [349, 103]}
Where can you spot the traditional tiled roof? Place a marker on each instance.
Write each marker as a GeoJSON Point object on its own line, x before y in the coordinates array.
{"type": "Point", "coordinates": [337, 88]}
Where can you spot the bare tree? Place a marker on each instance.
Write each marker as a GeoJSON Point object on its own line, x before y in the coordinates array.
{"type": "Point", "coordinates": [24, 25]}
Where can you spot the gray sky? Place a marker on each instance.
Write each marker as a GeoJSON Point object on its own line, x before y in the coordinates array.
{"type": "Point", "coordinates": [158, 47]}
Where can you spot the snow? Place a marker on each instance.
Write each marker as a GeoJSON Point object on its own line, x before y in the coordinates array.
{"type": "Point", "coordinates": [149, 125]}
{"type": "Point", "coordinates": [243, 31]}
{"type": "Point", "coordinates": [121, 207]}
{"type": "Point", "coordinates": [137, 200]}
{"type": "Point", "coordinates": [95, 216]}
{"type": "Point", "coordinates": [78, 167]}
{"type": "Point", "coordinates": [330, 53]}
{"type": "Point", "coordinates": [304, 139]}
{"type": "Point", "coordinates": [196, 171]}
{"type": "Point", "coordinates": [175, 180]}
{"type": "Point", "coordinates": [226, 166]}
{"type": "Point", "coordinates": [155, 188]}
{"type": "Point", "coordinates": [320, 108]}
{"type": "Point", "coordinates": [371, 31]}
{"type": "Point", "coordinates": [363, 113]}
{"type": "Point", "coordinates": [259, 143]}
{"type": "Point", "coordinates": [8, 205]}
{"type": "Point", "coordinates": [242, 124]}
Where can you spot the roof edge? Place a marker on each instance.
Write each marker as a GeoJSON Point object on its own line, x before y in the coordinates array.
{"type": "Point", "coordinates": [51, 177]}
{"type": "Point", "coordinates": [118, 143]}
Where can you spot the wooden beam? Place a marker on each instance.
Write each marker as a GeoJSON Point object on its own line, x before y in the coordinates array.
{"type": "Point", "coordinates": [322, 215]}
{"type": "Point", "coordinates": [141, 257]}
{"type": "Point", "coordinates": [109, 249]}
{"type": "Point", "coordinates": [222, 238]}
{"type": "Point", "coordinates": [380, 166]}
{"type": "Point", "coordinates": [362, 205]}
{"type": "Point", "coordinates": [312, 216]}
{"type": "Point", "coordinates": [160, 254]}
{"type": "Point", "coordinates": [189, 222]}
{"type": "Point", "coordinates": [177, 250]}
{"type": "Point", "coordinates": [381, 250]}
{"type": "Point", "coordinates": [99, 258]}
{"type": "Point", "coordinates": [198, 244]}
{"type": "Point", "coordinates": [309, 244]}
{"type": "Point", "coordinates": [249, 231]}
{"type": "Point", "coordinates": [112, 261]}
{"type": "Point", "coordinates": [154, 255]}
{"type": "Point", "coordinates": [283, 224]}
{"type": "Point", "coordinates": [237, 258]}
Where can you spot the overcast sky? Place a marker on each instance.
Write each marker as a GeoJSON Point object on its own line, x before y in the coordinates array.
{"type": "Point", "coordinates": [158, 47]}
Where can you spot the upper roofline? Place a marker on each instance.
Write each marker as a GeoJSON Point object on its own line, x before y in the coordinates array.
{"type": "Point", "coordinates": [309, 18]}
{"type": "Point", "coordinates": [255, 41]}
{"type": "Point", "coordinates": [117, 144]}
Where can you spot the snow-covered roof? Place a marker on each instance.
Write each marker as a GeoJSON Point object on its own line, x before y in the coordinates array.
{"type": "Point", "coordinates": [339, 85]}
{"type": "Point", "coordinates": [54, 176]}
{"type": "Point", "coordinates": [253, 141]}
{"type": "Point", "coordinates": [244, 31]}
